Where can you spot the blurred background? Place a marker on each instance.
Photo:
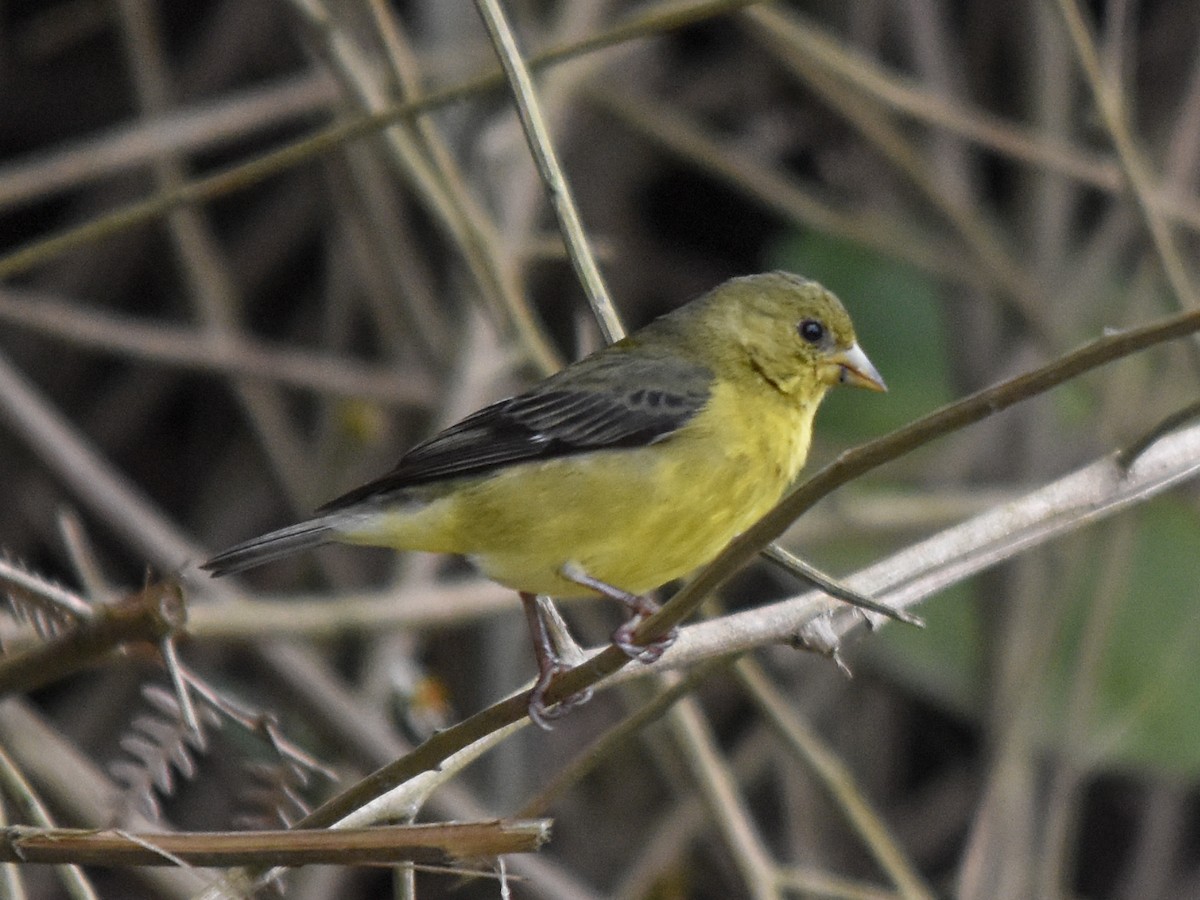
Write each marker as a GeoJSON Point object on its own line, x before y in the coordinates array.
{"type": "Point", "coordinates": [986, 186]}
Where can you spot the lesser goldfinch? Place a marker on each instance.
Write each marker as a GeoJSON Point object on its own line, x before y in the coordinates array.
{"type": "Point", "coordinates": [623, 471]}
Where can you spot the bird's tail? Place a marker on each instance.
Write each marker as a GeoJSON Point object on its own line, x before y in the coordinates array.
{"type": "Point", "coordinates": [266, 547]}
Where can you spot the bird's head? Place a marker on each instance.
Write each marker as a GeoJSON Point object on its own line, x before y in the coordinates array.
{"type": "Point", "coordinates": [792, 332]}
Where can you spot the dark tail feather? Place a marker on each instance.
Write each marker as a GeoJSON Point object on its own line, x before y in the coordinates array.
{"type": "Point", "coordinates": [266, 547]}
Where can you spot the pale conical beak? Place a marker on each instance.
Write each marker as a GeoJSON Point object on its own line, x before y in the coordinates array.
{"type": "Point", "coordinates": [857, 370]}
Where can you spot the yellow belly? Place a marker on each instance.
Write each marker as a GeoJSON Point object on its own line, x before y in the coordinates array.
{"type": "Point", "coordinates": [632, 518]}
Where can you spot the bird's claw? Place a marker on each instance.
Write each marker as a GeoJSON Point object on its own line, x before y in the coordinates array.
{"type": "Point", "coordinates": [623, 639]}
{"type": "Point", "coordinates": [542, 713]}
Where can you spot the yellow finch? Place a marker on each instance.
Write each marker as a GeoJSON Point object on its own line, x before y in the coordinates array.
{"type": "Point", "coordinates": [623, 471]}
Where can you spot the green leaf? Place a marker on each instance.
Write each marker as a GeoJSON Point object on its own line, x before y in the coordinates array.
{"type": "Point", "coordinates": [1147, 709]}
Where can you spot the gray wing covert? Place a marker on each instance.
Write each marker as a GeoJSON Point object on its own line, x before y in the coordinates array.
{"type": "Point", "coordinates": [576, 411]}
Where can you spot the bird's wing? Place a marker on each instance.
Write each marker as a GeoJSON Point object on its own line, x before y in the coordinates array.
{"type": "Point", "coordinates": [609, 401]}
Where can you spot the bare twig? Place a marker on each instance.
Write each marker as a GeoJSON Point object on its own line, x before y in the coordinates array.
{"type": "Point", "coordinates": [32, 589]}
{"type": "Point", "coordinates": [836, 778]}
{"type": "Point", "coordinates": [786, 35]}
{"type": "Point", "coordinates": [149, 616]}
{"type": "Point", "coordinates": [697, 747]}
{"type": "Point", "coordinates": [436, 844]}
{"type": "Point", "coordinates": [230, 354]}
{"type": "Point", "coordinates": [570, 775]}
{"type": "Point", "coordinates": [1112, 108]}
{"type": "Point", "coordinates": [196, 128]}
{"type": "Point", "coordinates": [538, 137]}
{"type": "Point", "coordinates": [776, 190]}
{"type": "Point", "coordinates": [18, 789]}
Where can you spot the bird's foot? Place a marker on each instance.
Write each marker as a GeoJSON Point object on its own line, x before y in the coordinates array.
{"type": "Point", "coordinates": [640, 609]}
{"type": "Point", "coordinates": [551, 643]}
{"type": "Point", "coordinates": [541, 713]}
{"type": "Point", "coordinates": [623, 639]}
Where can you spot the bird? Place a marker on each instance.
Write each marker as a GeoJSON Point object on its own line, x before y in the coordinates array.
{"type": "Point", "coordinates": [619, 473]}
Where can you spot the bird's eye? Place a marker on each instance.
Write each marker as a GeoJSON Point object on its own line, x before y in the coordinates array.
{"type": "Point", "coordinates": [811, 330]}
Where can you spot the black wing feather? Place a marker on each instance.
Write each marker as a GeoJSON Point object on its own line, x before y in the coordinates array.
{"type": "Point", "coordinates": [573, 412]}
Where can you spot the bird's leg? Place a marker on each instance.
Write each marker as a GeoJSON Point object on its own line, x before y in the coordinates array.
{"type": "Point", "coordinates": [640, 608]}
{"type": "Point", "coordinates": [551, 642]}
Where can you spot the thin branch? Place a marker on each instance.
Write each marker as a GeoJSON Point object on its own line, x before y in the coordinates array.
{"type": "Point", "coordinates": [797, 567]}
{"type": "Point", "coordinates": [604, 747]}
{"type": "Point", "coordinates": [205, 126]}
{"type": "Point", "coordinates": [12, 880]}
{"type": "Point", "coordinates": [211, 288]}
{"type": "Point", "coordinates": [1083, 497]}
{"type": "Point", "coordinates": [661, 122]}
{"type": "Point", "coordinates": [82, 554]}
{"type": "Point", "coordinates": [224, 353]}
{"type": "Point", "coordinates": [238, 177]}
{"type": "Point", "coordinates": [903, 94]}
{"type": "Point", "coordinates": [405, 800]}
{"type": "Point", "coordinates": [538, 137]}
{"type": "Point", "coordinates": [665, 842]}
{"type": "Point", "coordinates": [718, 788]}
{"type": "Point", "coordinates": [1137, 172]}
{"type": "Point", "coordinates": [149, 616]}
{"type": "Point", "coordinates": [785, 35]}
{"type": "Point", "coordinates": [31, 587]}
{"type": "Point", "coordinates": [809, 883]}
{"type": "Point", "coordinates": [438, 183]}
{"type": "Point", "coordinates": [835, 777]}
{"type": "Point", "coordinates": [17, 788]}
{"type": "Point", "coordinates": [435, 844]}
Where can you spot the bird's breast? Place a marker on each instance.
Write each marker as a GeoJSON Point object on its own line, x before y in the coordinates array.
{"type": "Point", "coordinates": [635, 518]}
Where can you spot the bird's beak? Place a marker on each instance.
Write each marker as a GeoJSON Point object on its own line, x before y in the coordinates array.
{"type": "Point", "coordinates": [857, 370]}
